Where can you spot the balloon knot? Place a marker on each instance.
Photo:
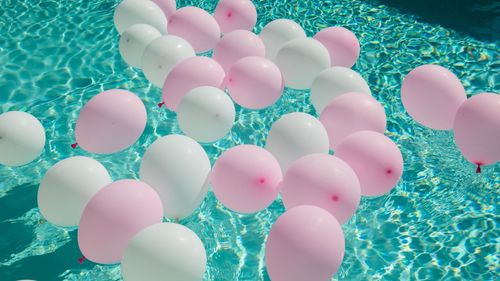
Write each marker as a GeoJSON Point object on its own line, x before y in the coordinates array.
{"type": "Point", "coordinates": [335, 198]}
{"type": "Point", "coordinates": [74, 145]}
{"type": "Point", "coordinates": [262, 180]}
{"type": "Point", "coordinates": [80, 260]}
{"type": "Point", "coordinates": [478, 169]}
{"type": "Point", "coordinates": [388, 171]}
{"type": "Point", "coordinates": [161, 104]}
{"type": "Point", "coordinates": [229, 14]}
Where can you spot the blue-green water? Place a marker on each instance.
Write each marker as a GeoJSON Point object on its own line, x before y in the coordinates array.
{"type": "Point", "coordinates": [440, 222]}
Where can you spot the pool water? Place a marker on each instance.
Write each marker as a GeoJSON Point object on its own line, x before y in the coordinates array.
{"type": "Point", "coordinates": [441, 222]}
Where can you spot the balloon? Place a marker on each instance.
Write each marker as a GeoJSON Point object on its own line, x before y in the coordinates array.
{"type": "Point", "coordinates": [68, 186]}
{"type": "Point", "coordinates": [134, 40]}
{"type": "Point", "coordinates": [375, 158]}
{"type": "Point", "coordinates": [301, 60]}
{"type": "Point", "coordinates": [245, 178]}
{"type": "Point", "coordinates": [295, 135]}
{"type": "Point", "coordinates": [167, 6]}
{"type": "Point", "coordinates": [195, 25]}
{"type": "Point", "coordinates": [22, 138]}
{"type": "Point", "coordinates": [342, 45]}
{"type": "Point", "coordinates": [431, 95]}
{"type": "Point", "coordinates": [322, 180]}
{"type": "Point", "coordinates": [177, 167]}
{"type": "Point", "coordinates": [352, 112]}
{"type": "Point", "coordinates": [235, 14]}
{"type": "Point", "coordinates": [130, 12]}
{"type": "Point", "coordinates": [305, 243]}
{"type": "Point", "coordinates": [161, 55]}
{"type": "Point", "coordinates": [477, 129]}
{"type": "Point", "coordinates": [237, 45]}
{"type": "Point", "coordinates": [206, 114]}
{"type": "Point", "coordinates": [189, 74]}
{"type": "Point", "coordinates": [164, 251]}
{"type": "Point", "coordinates": [115, 215]}
{"type": "Point", "coordinates": [255, 82]}
{"type": "Point", "coordinates": [110, 122]}
{"type": "Point", "coordinates": [279, 32]}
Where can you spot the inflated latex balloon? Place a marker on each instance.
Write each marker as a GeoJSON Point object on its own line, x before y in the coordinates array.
{"type": "Point", "coordinates": [301, 60]}
{"type": "Point", "coordinates": [342, 45]}
{"type": "Point", "coordinates": [164, 251]}
{"type": "Point", "coordinates": [255, 82]}
{"type": "Point", "coordinates": [279, 32]}
{"type": "Point", "coordinates": [177, 167]}
{"type": "Point", "coordinates": [295, 135]}
{"type": "Point", "coordinates": [167, 6]}
{"type": "Point", "coordinates": [68, 186]}
{"type": "Point", "coordinates": [432, 94]}
{"type": "Point", "coordinates": [333, 82]}
{"type": "Point", "coordinates": [114, 216]}
{"type": "Point", "coordinates": [22, 138]}
{"type": "Point", "coordinates": [305, 243]}
{"type": "Point", "coordinates": [189, 74]}
{"type": "Point", "coordinates": [477, 129]}
{"type": "Point", "coordinates": [352, 112]}
{"type": "Point", "coordinates": [237, 45]}
{"type": "Point", "coordinates": [206, 114]}
{"type": "Point", "coordinates": [235, 14]}
{"type": "Point", "coordinates": [195, 25]}
{"type": "Point", "coordinates": [375, 158]}
{"type": "Point", "coordinates": [134, 40]}
{"type": "Point", "coordinates": [130, 12]}
{"type": "Point", "coordinates": [322, 180]}
{"type": "Point", "coordinates": [161, 55]}
{"type": "Point", "coordinates": [110, 122]}
{"type": "Point", "coordinates": [245, 178]}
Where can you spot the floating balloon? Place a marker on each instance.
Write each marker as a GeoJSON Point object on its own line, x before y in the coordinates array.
{"type": "Point", "coordinates": [195, 25]}
{"type": "Point", "coordinates": [134, 40]}
{"type": "Point", "coordinates": [352, 112]}
{"type": "Point", "coordinates": [301, 60]}
{"type": "Point", "coordinates": [305, 243]}
{"type": "Point", "coordinates": [342, 45]}
{"type": "Point", "coordinates": [245, 178]}
{"type": "Point", "coordinates": [110, 122]}
{"type": "Point", "coordinates": [114, 216]}
{"type": "Point", "coordinates": [167, 6]}
{"type": "Point", "coordinates": [255, 82]}
{"type": "Point", "coordinates": [333, 82]}
{"type": "Point", "coordinates": [130, 12]}
{"type": "Point", "coordinates": [22, 138]}
{"type": "Point", "coordinates": [295, 135]}
{"type": "Point", "coordinates": [164, 251]}
{"type": "Point", "coordinates": [375, 158]}
{"type": "Point", "coordinates": [235, 14]}
{"type": "Point", "coordinates": [279, 32]}
{"type": "Point", "coordinates": [68, 186]}
{"type": "Point", "coordinates": [431, 94]}
{"type": "Point", "coordinates": [206, 114]}
{"type": "Point", "coordinates": [177, 167]}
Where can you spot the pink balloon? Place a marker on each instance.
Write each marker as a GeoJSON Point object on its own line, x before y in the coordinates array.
{"type": "Point", "coordinates": [115, 215]}
{"type": "Point", "coordinates": [245, 178]}
{"type": "Point", "coordinates": [255, 82]}
{"type": "Point", "coordinates": [352, 112]}
{"type": "Point", "coordinates": [477, 129]}
{"type": "Point", "coordinates": [305, 243]}
{"type": "Point", "coordinates": [167, 6]}
{"type": "Point", "coordinates": [375, 158]}
{"type": "Point", "coordinates": [195, 25]}
{"type": "Point", "coordinates": [322, 180]}
{"type": "Point", "coordinates": [342, 45]}
{"type": "Point", "coordinates": [110, 122]}
{"type": "Point", "coordinates": [432, 95]}
{"type": "Point", "coordinates": [235, 14]}
{"type": "Point", "coordinates": [236, 45]}
{"type": "Point", "coordinates": [191, 73]}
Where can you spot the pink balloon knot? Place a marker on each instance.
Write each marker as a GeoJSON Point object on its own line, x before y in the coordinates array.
{"type": "Point", "coordinates": [161, 104]}
{"type": "Point", "coordinates": [388, 171]}
{"type": "Point", "coordinates": [229, 14]}
{"type": "Point", "coordinates": [478, 169]}
{"type": "Point", "coordinates": [80, 260]}
{"type": "Point", "coordinates": [74, 145]}
{"type": "Point", "coordinates": [335, 198]}
{"type": "Point", "coordinates": [262, 180]}
{"type": "Point", "coordinates": [230, 80]}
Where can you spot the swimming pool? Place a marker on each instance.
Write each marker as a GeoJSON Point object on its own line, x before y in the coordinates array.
{"type": "Point", "coordinates": [439, 223]}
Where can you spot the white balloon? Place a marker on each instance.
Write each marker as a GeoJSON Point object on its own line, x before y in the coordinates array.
{"type": "Point", "coordinates": [164, 251]}
{"type": "Point", "coordinates": [279, 32]}
{"type": "Point", "coordinates": [22, 138]}
{"type": "Point", "coordinates": [68, 186]}
{"type": "Point", "coordinates": [162, 54]}
{"type": "Point", "coordinates": [177, 167]}
{"type": "Point", "coordinates": [130, 12]}
{"type": "Point", "coordinates": [333, 82]}
{"type": "Point", "coordinates": [301, 60]}
{"type": "Point", "coordinates": [295, 135]}
{"type": "Point", "coordinates": [134, 40]}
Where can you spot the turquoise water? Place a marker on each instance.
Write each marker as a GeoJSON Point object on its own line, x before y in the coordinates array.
{"type": "Point", "coordinates": [440, 222]}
